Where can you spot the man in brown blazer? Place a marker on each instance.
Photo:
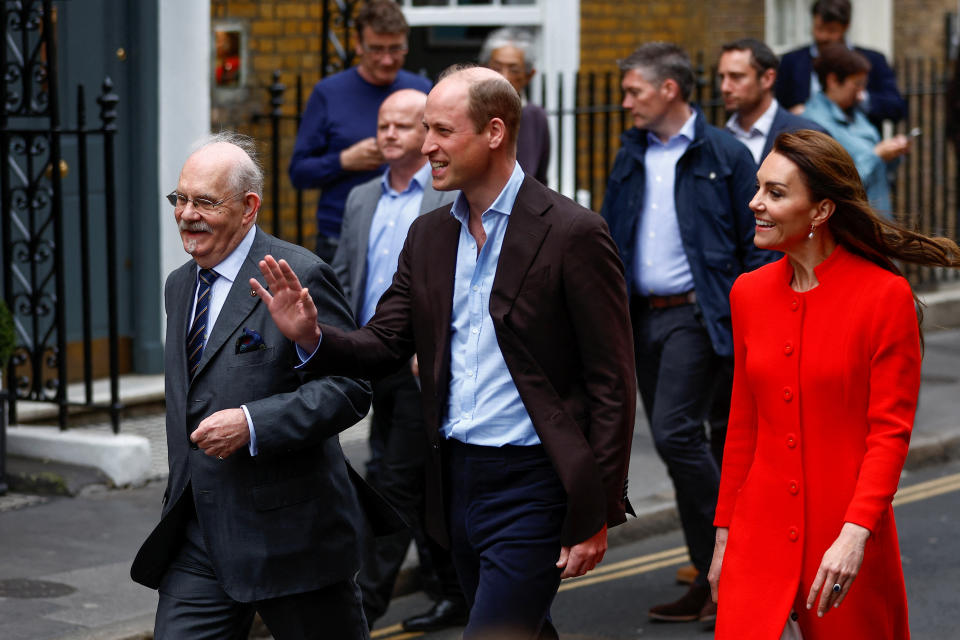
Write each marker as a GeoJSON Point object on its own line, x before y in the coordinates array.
{"type": "Point", "coordinates": [514, 302]}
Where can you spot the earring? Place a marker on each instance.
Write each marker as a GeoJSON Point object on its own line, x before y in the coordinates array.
{"type": "Point", "coordinates": [810, 235]}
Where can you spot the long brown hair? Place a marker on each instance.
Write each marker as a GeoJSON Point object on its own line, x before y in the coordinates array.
{"type": "Point", "coordinates": [829, 173]}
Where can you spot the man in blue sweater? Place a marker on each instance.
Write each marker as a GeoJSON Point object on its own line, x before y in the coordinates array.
{"type": "Point", "coordinates": [336, 146]}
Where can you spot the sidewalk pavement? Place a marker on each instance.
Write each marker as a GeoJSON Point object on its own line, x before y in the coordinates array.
{"type": "Point", "coordinates": [64, 561]}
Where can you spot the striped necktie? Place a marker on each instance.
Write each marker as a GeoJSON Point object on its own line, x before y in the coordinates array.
{"type": "Point", "coordinates": [198, 330]}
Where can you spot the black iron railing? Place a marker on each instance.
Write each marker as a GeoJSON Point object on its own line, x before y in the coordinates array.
{"type": "Point", "coordinates": [586, 123]}
{"type": "Point", "coordinates": [34, 240]}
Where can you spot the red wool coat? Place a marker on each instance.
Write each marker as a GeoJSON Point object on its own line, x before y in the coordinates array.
{"type": "Point", "coordinates": [824, 395]}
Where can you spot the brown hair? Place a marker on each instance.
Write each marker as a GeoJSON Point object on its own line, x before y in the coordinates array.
{"type": "Point", "coordinates": [829, 173]}
{"type": "Point", "coordinates": [832, 11]}
{"type": "Point", "coordinates": [842, 62]}
{"type": "Point", "coordinates": [383, 16]}
{"type": "Point", "coordinates": [489, 98]}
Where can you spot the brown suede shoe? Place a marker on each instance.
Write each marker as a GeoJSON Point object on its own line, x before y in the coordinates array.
{"type": "Point", "coordinates": [687, 574]}
{"type": "Point", "coordinates": [686, 609]}
{"type": "Point", "coordinates": [708, 615]}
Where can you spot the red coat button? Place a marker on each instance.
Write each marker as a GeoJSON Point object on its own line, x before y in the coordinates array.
{"type": "Point", "coordinates": [793, 488]}
{"type": "Point", "coordinates": [794, 304]}
{"type": "Point", "coordinates": [787, 394]}
{"type": "Point", "coordinates": [787, 349]}
{"type": "Point", "coordinates": [791, 440]}
{"type": "Point", "coordinates": [793, 534]}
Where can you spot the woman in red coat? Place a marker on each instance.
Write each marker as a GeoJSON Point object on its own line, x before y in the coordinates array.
{"type": "Point", "coordinates": [827, 371]}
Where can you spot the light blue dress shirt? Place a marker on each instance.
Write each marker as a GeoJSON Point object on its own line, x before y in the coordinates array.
{"type": "Point", "coordinates": [756, 138]}
{"type": "Point", "coordinates": [484, 406]}
{"type": "Point", "coordinates": [388, 230]}
{"type": "Point", "coordinates": [228, 270]}
{"type": "Point", "coordinates": [660, 266]}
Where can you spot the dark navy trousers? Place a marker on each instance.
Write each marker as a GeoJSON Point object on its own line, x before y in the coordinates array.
{"type": "Point", "coordinates": [679, 375]}
{"type": "Point", "coordinates": [506, 506]}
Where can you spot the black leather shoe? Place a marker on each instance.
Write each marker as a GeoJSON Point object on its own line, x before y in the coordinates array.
{"type": "Point", "coordinates": [445, 613]}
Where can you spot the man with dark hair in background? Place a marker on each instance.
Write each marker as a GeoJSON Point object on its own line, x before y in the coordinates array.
{"type": "Point", "coordinates": [748, 70]}
{"type": "Point", "coordinates": [336, 149]}
{"type": "Point", "coordinates": [797, 81]}
{"type": "Point", "coordinates": [676, 204]}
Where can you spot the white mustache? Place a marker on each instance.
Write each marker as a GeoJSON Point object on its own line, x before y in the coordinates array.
{"type": "Point", "coordinates": [195, 227]}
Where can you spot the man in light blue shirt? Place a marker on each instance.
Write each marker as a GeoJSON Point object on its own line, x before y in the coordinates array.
{"type": "Point", "coordinates": [377, 216]}
{"type": "Point", "coordinates": [677, 208]}
{"type": "Point", "coordinates": [514, 301]}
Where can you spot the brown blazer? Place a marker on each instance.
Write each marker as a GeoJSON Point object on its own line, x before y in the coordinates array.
{"type": "Point", "coordinates": [559, 310]}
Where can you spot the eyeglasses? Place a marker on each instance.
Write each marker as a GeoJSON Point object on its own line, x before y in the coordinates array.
{"type": "Point", "coordinates": [379, 51]}
{"type": "Point", "coordinates": [203, 205]}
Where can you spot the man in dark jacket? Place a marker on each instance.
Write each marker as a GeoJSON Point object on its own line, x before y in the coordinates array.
{"type": "Point", "coordinates": [796, 81]}
{"type": "Point", "coordinates": [676, 204]}
{"type": "Point", "coordinates": [748, 70]}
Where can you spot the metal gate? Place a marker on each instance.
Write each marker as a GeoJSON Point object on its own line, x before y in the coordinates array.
{"type": "Point", "coordinates": [36, 230]}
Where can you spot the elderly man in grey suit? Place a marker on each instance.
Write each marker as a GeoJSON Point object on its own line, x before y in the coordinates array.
{"type": "Point", "coordinates": [375, 222]}
{"type": "Point", "coordinates": [260, 512]}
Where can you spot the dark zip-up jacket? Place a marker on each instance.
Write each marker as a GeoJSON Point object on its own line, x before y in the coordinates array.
{"type": "Point", "coordinates": [715, 180]}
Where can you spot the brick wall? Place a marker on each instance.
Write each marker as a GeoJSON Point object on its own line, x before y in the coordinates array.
{"type": "Point", "coordinates": [282, 35]}
{"type": "Point", "coordinates": [611, 29]}
{"type": "Point", "coordinates": [918, 29]}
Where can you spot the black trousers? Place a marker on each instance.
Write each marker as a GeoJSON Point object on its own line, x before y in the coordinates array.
{"type": "Point", "coordinates": [506, 509]}
{"type": "Point", "coordinates": [398, 444]}
{"type": "Point", "coordinates": [678, 373]}
{"type": "Point", "coordinates": [193, 605]}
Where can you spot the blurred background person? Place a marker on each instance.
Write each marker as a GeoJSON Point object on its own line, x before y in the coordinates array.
{"type": "Point", "coordinates": [511, 52]}
{"type": "Point", "coordinates": [827, 350]}
{"type": "Point", "coordinates": [797, 80]}
{"type": "Point", "coordinates": [377, 216]}
{"type": "Point", "coordinates": [336, 148]}
{"type": "Point", "coordinates": [748, 70]}
{"type": "Point", "coordinates": [843, 76]}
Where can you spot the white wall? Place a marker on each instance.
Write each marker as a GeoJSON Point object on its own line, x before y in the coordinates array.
{"type": "Point", "coordinates": [184, 95]}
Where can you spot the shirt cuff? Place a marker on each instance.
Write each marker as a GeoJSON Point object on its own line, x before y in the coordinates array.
{"type": "Point", "coordinates": [253, 434]}
{"type": "Point", "coordinates": [304, 356]}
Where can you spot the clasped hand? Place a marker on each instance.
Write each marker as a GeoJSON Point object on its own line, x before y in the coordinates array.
{"type": "Point", "coordinates": [584, 556]}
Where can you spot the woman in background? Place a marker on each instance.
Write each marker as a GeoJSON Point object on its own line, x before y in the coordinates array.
{"type": "Point", "coordinates": [827, 370]}
{"type": "Point", "coordinates": [842, 74]}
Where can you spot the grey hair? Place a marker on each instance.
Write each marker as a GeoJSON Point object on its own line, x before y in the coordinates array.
{"type": "Point", "coordinates": [247, 175]}
{"type": "Point", "coordinates": [662, 61]}
{"type": "Point", "coordinates": [510, 37]}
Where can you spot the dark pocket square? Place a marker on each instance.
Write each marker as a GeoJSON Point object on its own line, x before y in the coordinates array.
{"type": "Point", "coordinates": [249, 341]}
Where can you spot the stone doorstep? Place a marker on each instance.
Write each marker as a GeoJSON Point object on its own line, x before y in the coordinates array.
{"type": "Point", "coordinates": [135, 390]}
{"type": "Point", "coordinates": [124, 458]}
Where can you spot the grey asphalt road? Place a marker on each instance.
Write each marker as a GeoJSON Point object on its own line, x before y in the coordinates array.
{"type": "Point", "coordinates": [613, 604]}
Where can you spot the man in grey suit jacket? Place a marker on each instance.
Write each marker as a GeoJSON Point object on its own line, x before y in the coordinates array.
{"type": "Point", "coordinates": [260, 513]}
{"type": "Point", "coordinates": [375, 222]}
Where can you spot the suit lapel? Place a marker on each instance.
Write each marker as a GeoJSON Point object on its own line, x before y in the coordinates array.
{"type": "Point", "coordinates": [442, 252]}
{"type": "Point", "coordinates": [525, 233]}
{"type": "Point", "coordinates": [238, 305]}
{"type": "Point", "coordinates": [179, 308]}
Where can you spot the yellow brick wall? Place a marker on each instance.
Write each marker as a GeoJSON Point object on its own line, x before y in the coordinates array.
{"type": "Point", "coordinates": [919, 29]}
{"type": "Point", "coordinates": [283, 35]}
{"type": "Point", "coordinates": [611, 29]}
